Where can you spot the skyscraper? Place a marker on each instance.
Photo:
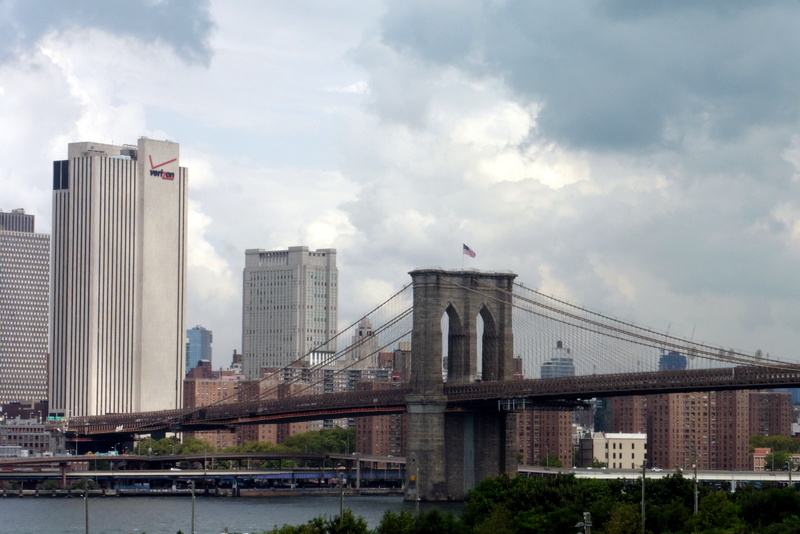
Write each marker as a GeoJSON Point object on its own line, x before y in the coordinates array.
{"type": "Point", "coordinates": [119, 278]}
{"type": "Point", "coordinates": [24, 292]}
{"type": "Point", "coordinates": [671, 361]}
{"type": "Point", "coordinates": [364, 350]}
{"type": "Point", "coordinates": [560, 364]}
{"type": "Point", "coordinates": [289, 306]}
{"type": "Point", "coordinates": [198, 346]}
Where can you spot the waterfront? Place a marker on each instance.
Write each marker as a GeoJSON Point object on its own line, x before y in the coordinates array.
{"type": "Point", "coordinates": [167, 515]}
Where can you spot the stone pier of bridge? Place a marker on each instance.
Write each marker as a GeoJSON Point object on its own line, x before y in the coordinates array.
{"type": "Point", "coordinates": [449, 452]}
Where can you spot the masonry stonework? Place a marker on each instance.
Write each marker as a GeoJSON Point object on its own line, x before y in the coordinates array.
{"type": "Point", "coordinates": [448, 453]}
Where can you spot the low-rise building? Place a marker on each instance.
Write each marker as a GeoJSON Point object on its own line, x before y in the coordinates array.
{"type": "Point", "coordinates": [29, 437]}
{"type": "Point", "coordinates": [615, 450]}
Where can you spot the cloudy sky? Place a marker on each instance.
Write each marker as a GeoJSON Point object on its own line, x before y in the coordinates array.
{"type": "Point", "coordinates": [638, 158]}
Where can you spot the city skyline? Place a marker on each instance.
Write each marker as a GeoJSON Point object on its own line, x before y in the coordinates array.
{"type": "Point", "coordinates": [657, 182]}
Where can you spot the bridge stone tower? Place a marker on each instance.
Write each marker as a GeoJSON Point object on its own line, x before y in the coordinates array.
{"type": "Point", "coordinates": [448, 453]}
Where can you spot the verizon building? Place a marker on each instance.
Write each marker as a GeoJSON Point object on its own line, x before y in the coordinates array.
{"type": "Point", "coordinates": [289, 306]}
{"type": "Point", "coordinates": [118, 279]}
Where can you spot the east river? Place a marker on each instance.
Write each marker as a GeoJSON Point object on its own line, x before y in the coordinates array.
{"type": "Point", "coordinates": [168, 515]}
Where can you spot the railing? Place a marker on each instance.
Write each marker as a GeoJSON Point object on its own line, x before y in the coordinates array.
{"type": "Point", "coordinates": [459, 396]}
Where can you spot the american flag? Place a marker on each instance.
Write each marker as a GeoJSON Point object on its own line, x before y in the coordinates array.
{"type": "Point", "coordinates": [469, 252]}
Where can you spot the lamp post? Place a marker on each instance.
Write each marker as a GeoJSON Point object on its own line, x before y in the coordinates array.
{"type": "Point", "coordinates": [644, 473]}
{"type": "Point", "coordinates": [191, 485]}
{"type": "Point", "coordinates": [86, 503]}
{"type": "Point", "coordinates": [418, 488]}
{"type": "Point", "coordinates": [695, 486]}
{"type": "Point", "coordinates": [346, 446]}
{"type": "Point", "coordinates": [340, 478]}
{"type": "Point", "coordinates": [789, 468]}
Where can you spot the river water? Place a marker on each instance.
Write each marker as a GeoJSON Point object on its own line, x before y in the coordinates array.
{"type": "Point", "coordinates": [168, 515]}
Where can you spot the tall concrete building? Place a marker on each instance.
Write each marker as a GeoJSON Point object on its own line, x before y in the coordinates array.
{"type": "Point", "coordinates": [289, 306]}
{"type": "Point", "coordinates": [24, 301]}
{"type": "Point", "coordinates": [198, 346]}
{"type": "Point", "coordinates": [119, 276]}
{"type": "Point", "coordinates": [364, 347]}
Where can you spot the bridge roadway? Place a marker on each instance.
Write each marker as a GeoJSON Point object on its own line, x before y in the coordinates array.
{"type": "Point", "coordinates": [140, 467]}
{"type": "Point", "coordinates": [460, 397]}
{"type": "Point", "coordinates": [739, 477]}
{"type": "Point", "coordinates": [298, 467]}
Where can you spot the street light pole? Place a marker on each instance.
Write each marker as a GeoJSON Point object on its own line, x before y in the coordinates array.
{"type": "Point", "coordinates": [341, 491]}
{"type": "Point", "coordinates": [695, 486]}
{"type": "Point", "coordinates": [191, 485]}
{"type": "Point", "coordinates": [86, 503]}
{"type": "Point", "coordinates": [644, 467]}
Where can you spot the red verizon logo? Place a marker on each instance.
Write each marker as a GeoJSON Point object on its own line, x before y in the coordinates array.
{"type": "Point", "coordinates": [154, 169]}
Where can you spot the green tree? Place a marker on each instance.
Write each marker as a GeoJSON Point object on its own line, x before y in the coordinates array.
{"type": "Point", "coordinates": [161, 447]}
{"type": "Point", "coordinates": [625, 519]}
{"type": "Point", "coordinates": [437, 522]}
{"type": "Point", "coordinates": [777, 461]}
{"type": "Point", "coordinates": [262, 447]}
{"type": "Point", "coordinates": [192, 445]}
{"type": "Point", "coordinates": [552, 504]}
{"type": "Point", "coordinates": [551, 460]}
{"type": "Point", "coordinates": [259, 446]}
{"type": "Point", "coordinates": [763, 507]}
{"type": "Point", "coordinates": [346, 524]}
{"type": "Point", "coordinates": [716, 513]}
{"type": "Point", "coordinates": [776, 442]}
{"type": "Point", "coordinates": [396, 523]}
{"type": "Point", "coordinates": [500, 521]}
{"type": "Point", "coordinates": [330, 440]}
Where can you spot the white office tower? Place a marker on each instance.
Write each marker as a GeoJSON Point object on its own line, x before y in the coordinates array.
{"type": "Point", "coordinates": [289, 306]}
{"type": "Point", "coordinates": [24, 303]}
{"type": "Point", "coordinates": [117, 329]}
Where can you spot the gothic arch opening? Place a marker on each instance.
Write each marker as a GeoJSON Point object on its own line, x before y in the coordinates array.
{"type": "Point", "coordinates": [489, 358]}
{"type": "Point", "coordinates": [453, 341]}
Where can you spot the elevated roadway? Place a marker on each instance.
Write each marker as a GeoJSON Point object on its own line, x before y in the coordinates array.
{"type": "Point", "coordinates": [477, 396]}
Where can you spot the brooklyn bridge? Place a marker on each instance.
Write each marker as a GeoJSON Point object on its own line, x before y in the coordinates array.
{"type": "Point", "coordinates": [478, 340]}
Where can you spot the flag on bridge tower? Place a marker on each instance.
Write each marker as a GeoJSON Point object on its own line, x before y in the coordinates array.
{"type": "Point", "coordinates": [469, 252]}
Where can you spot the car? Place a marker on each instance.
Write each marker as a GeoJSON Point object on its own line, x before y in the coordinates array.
{"type": "Point", "coordinates": [657, 469]}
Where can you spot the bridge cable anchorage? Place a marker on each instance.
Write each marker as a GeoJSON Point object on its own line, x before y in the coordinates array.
{"type": "Point", "coordinates": [176, 417]}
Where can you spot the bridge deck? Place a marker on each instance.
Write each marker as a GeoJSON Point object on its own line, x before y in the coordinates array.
{"type": "Point", "coordinates": [473, 396]}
